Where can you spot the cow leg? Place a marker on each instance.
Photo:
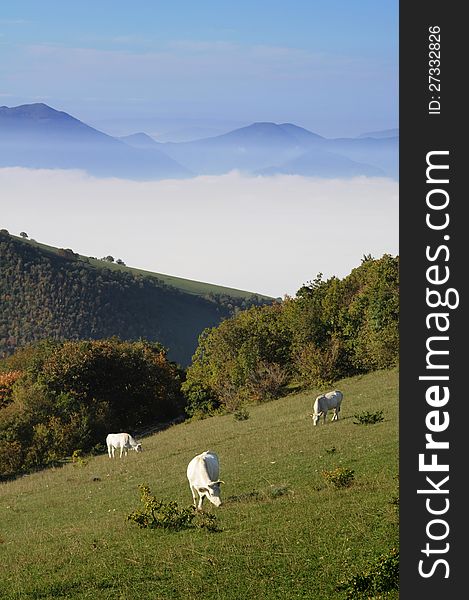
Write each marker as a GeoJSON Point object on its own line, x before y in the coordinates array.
{"type": "Point", "coordinates": [201, 499]}
{"type": "Point", "coordinates": [194, 497]}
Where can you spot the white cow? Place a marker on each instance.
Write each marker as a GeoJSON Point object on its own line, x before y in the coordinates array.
{"type": "Point", "coordinates": [325, 402]}
{"type": "Point", "coordinates": [202, 473]}
{"type": "Point", "coordinates": [124, 441]}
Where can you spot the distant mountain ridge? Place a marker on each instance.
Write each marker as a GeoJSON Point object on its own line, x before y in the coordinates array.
{"type": "Point", "coordinates": [55, 293]}
{"type": "Point", "coordinates": [140, 140]}
{"type": "Point", "coordinates": [385, 133]}
{"type": "Point", "coordinates": [38, 136]}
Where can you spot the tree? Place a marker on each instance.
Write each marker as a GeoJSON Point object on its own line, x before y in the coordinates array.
{"type": "Point", "coordinates": [58, 397]}
{"type": "Point", "coordinates": [23, 234]}
{"type": "Point", "coordinates": [331, 329]}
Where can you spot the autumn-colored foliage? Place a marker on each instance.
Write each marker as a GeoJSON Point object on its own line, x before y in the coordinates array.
{"type": "Point", "coordinates": [69, 395]}
{"type": "Point", "coordinates": [6, 384]}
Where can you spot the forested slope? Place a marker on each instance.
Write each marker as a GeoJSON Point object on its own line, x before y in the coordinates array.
{"type": "Point", "coordinates": [60, 295]}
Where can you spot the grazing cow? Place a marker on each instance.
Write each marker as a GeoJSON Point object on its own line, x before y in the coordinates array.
{"type": "Point", "coordinates": [202, 473]}
{"type": "Point", "coordinates": [325, 402]}
{"type": "Point", "coordinates": [124, 441]}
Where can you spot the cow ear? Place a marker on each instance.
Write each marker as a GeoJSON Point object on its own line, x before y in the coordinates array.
{"type": "Point", "coordinates": [203, 490]}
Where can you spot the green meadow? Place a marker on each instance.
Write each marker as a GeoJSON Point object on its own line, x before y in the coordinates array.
{"type": "Point", "coordinates": [286, 531]}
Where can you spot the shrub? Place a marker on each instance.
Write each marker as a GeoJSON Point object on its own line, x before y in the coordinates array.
{"type": "Point", "coordinates": [368, 418]}
{"type": "Point", "coordinates": [266, 381]}
{"type": "Point", "coordinates": [200, 401]}
{"type": "Point", "coordinates": [319, 365]}
{"type": "Point", "coordinates": [58, 397]}
{"type": "Point", "coordinates": [379, 577]}
{"type": "Point", "coordinates": [340, 476]}
{"type": "Point", "coordinates": [331, 329]}
{"type": "Point", "coordinates": [7, 380]}
{"type": "Point", "coordinates": [275, 491]}
{"type": "Point", "coordinates": [168, 515]}
{"type": "Point", "coordinates": [241, 414]}
{"type": "Point", "coordinates": [11, 458]}
{"type": "Point", "coordinates": [78, 460]}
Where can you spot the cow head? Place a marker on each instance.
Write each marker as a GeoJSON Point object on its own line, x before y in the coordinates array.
{"type": "Point", "coordinates": [138, 448]}
{"type": "Point", "coordinates": [212, 492]}
{"type": "Point", "coordinates": [315, 419]}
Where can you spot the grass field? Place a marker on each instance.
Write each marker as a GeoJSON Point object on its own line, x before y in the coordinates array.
{"type": "Point", "coordinates": [286, 532]}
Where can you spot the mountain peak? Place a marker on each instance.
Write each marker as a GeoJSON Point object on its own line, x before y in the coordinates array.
{"type": "Point", "coordinates": [38, 136]}
{"type": "Point", "coordinates": [37, 110]}
{"type": "Point", "coordinates": [264, 125]}
{"type": "Point", "coordinates": [139, 140]}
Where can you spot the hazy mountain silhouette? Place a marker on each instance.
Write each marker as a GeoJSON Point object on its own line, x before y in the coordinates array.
{"type": "Point", "coordinates": [320, 163]}
{"type": "Point", "coordinates": [379, 152]}
{"type": "Point", "coordinates": [140, 140]}
{"type": "Point", "coordinates": [38, 136]}
{"type": "Point", "coordinates": [269, 148]}
{"type": "Point", "coordinates": [247, 149]}
{"type": "Point", "coordinates": [385, 133]}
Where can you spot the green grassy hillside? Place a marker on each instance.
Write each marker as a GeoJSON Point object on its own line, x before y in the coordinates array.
{"type": "Point", "coordinates": [55, 293]}
{"type": "Point", "coordinates": [286, 532]}
{"type": "Point", "coordinates": [189, 286]}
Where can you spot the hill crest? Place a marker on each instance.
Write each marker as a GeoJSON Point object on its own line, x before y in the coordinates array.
{"type": "Point", "coordinates": [56, 293]}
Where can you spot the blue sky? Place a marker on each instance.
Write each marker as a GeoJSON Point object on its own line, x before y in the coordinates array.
{"type": "Point", "coordinates": [329, 66]}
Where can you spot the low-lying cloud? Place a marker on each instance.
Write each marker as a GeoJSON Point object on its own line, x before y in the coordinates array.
{"type": "Point", "coordinates": [265, 234]}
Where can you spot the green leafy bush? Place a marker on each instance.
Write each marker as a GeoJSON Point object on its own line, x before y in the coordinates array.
{"type": "Point", "coordinates": [168, 515]}
{"type": "Point", "coordinates": [242, 414]}
{"type": "Point", "coordinates": [78, 459]}
{"type": "Point", "coordinates": [368, 418]}
{"type": "Point", "coordinates": [331, 329]}
{"type": "Point", "coordinates": [379, 577]}
{"type": "Point", "coordinates": [340, 477]}
{"type": "Point", "coordinates": [69, 395]}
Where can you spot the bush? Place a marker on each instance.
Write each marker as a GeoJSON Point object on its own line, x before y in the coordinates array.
{"type": "Point", "coordinates": [331, 329]}
{"type": "Point", "coordinates": [319, 366]}
{"type": "Point", "coordinates": [11, 458]}
{"type": "Point", "coordinates": [368, 418]}
{"type": "Point", "coordinates": [266, 381]}
{"type": "Point", "coordinates": [167, 515]}
{"type": "Point", "coordinates": [78, 460]}
{"type": "Point", "coordinates": [241, 414]}
{"type": "Point", "coordinates": [59, 397]}
{"type": "Point", "coordinates": [379, 577]}
{"type": "Point", "coordinates": [7, 381]}
{"type": "Point", "coordinates": [200, 401]}
{"type": "Point", "coordinates": [340, 476]}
